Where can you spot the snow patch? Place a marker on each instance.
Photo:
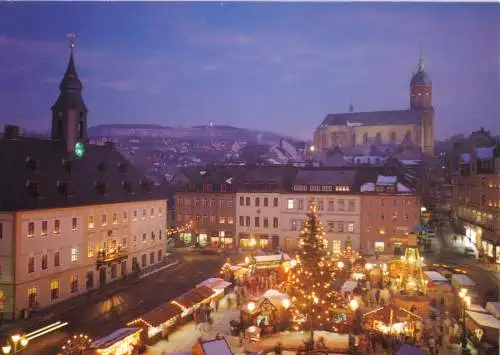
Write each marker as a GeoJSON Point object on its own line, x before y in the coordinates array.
{"type": "Point", "coordinates": [386, 180]}
{"type": "Point", "coordinates": [403, 188]}
{"type": "Point", "coordinates": [485, 153]}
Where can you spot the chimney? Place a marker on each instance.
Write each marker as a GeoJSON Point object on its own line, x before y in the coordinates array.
{"type": "Point", "coordinates": [11, 132]}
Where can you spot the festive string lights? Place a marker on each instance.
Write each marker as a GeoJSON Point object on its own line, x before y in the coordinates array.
{"type": "Point", "coordinates": [181, 229]}
{"type": "Point", "coordinates": [314, 301]}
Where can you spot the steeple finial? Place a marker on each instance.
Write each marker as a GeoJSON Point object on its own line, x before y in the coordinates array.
{"type": "Point", "coordinates": [71, 36]}
{"type": "Point", "coordinates": [421, 58]}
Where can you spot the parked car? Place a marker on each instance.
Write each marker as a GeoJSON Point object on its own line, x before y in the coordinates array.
{"type": "Point", "coordinates": [469, 252]}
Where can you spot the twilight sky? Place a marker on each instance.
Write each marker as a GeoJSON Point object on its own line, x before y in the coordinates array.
{"type": "Point", "coordinates": [271, 66]}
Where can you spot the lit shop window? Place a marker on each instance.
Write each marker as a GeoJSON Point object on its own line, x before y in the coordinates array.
{"type": "Point", "coordinates": [54, 290]}
{"type": "Point", "coordinates": [379, 247]}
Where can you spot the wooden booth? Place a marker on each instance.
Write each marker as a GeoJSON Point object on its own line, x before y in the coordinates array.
{"type": "Point", "coordinates": [392, 320]}
{"type": "Point", "coordinates": [219, 286]}
{"type": "Point", "coordinates": [124, 341]}
{"type": "Point", "coordinates": [268, 313]}
{"type": "Point", "coordinates": [192, 299]}
{"type": "Point", "coordinates": [157, 322]}
{"type": "Point", "coordinates": [483, 327]}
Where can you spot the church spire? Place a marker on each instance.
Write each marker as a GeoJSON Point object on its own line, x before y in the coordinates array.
{"type": "Point", "coordinates": [70, 80]}
{"type": "Point", "coordinates": [421, 59]}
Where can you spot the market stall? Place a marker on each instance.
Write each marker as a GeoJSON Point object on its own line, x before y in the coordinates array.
{"type": "Point", "coordinates": [348, 288]}
{"type": "Point", "coordinates": [219, 286]}
{"type": "Point", "coordinates": [392, 320]}
{"type": "Point", "coordinates": [483, 327]}
{"type": "Point", "coordinates": [268, 312]}
{"type": "Point", "coordinates": [124, 341]}
{"type": "Point", "coordinates": [493, 308]}
{"type": "Point", "coordinates": [157, 322]}
{"type": "Point", "coordinates": [192, 299]}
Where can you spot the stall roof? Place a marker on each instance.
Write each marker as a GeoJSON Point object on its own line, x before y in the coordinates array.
{"type": "Point", "coordinates": [463, 280]}
{"type": "Point", "coordinates": [194, 296]}
{"type": "Point", "coordinates": [216, 347]}
{"type": "Point", "coordinates": [477, 308]}
{"type": "Point", "coordinates": [484, 319]}
{"type": "Point", "coordinates": [271, 258]}
{"type": "Point", "coordinates": [113, 338]}
{"type": "Point", "coordinates": [349, 286]}
{"type": "Point", "coordinates": [435, 276]}
{"type": "Point", "coordinates": [406, 349]}
{"type": "Point", "coordinates": [160, 314]}
{"type": "Point", "coordinates": [215, 283]}
{"type": "Point", "coordinates": [493, 308]}
{"type": "Point", "coordinates": [205, 291]}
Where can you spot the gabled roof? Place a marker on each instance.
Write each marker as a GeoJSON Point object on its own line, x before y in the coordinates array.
{"type": "Point", "coordinates": [42, 175]}
{"type": "Point", "coordinates": [374, 118]}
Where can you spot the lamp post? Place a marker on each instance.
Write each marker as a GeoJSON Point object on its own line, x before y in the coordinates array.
{"type": "Point", "coordinates": [466, 301]}
{"type": "Point", "coordinates": [16, 344]}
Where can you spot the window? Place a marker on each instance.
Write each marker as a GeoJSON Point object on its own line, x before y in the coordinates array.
{"type": "Point", "coordinates": [57, 226]}
{"type": "Point", "coordinates": [115, 218]}
{"type": "Point", "coordinates": [221, 203]}
{"type": "Point", "coordinates": [257, 222]}
{"type": "Point", "coordinates": [45, 262]}
{"type": "Point", "coordinates": [205, 202]}
{"type": "Point", "coordinates": [45, 228]}
{"type": "Point", "coordinates": [90, 249]}
{"type": "Point", "coordinates": [54, 290]}
{"type": "Point", "coordinates": [266, 222]}
{"type": "Point", "coordinates": [300, 204]}
{"type": "Point", "coordinates": [289, 204]}
{"type": "Point", "coordinates": [394, 202]}
{"type": "Point", "coordinates": [104, 220]}
{"type": "Point", "coordinates": [379, 247]}
{"type": "Point", "coordinates": [382, 216]}
{"type": "Point", "coordinates": [341, 205]}
{"type": "Point", "coordinates": [351, 207]}
{"type": "Point", "coordinates": [222, 220]}
{"type": "Point", "coordinates": [135, 215]}
{"type": "Point", "coordinates": [144, 260]}
{"type": "Point", "coordinates": [91, 222]}
{"type": "Point", "coordinates": [153, 236]}
{"type": "Point", "coordinates": [212, 219]}
{"type": "Point", "coordinates": [73, 281]}
{"type": "Point", "coordinates": [125, 217]}
{"type": "Point", "coordinates": [247, 201]}
{"type": "Point", "coordinates": [331, 226]}
{"type": "Point", "coordinates": [144, 210]}
{"type": "Point", "coordinates": [74, 224]}
{"type": "Point", "coordinates": [113, 271]}
{"type": "Point", "coordinates": [330, 205]}
{"type": "Point", "coordinates": [74, 255]}
{"type": "Point", "coordinates": [275, 222]}
{"type": "Point", "coordinates": [294, 225]}
{"type": "Point", "coordinates": [31, 264]}
{"type": "Point", "coordinates": [57, 258]}
{"type": "Point", "coordinates": [230, 220]}
{"type": "Point", "coordinates": [257, 202]}
{"type": "Point", "coordinates": [266, 202]}
{"type": "Point", "coordinates": [350, 227]}
{"type": "Point", "coordinates": [242, 201]}
{"type": "Point", "coordinates": [229, 203]}
{"type": "Point", "coordinates": [340, 227]}
{"type": "Point", "coordinates": [159, 255]}
{"type": "Point", "coordinates": [378, 137]}
{"type": "Point", "coordinates": [275, 202]}
{"type": "Point", "coordinates": [160, 211]}
{"type": "Point", "coordinates": [247, 221]}
{"type": "Point", "coordinates": [394, 216]}
{"type": "Point", "coordinates": [365, 138]}
{"type": "Point", "coordinates": [242, 221]}
{"type": "Point", "coordinates": [152, 258]}
{"type": "Point", "coordinates": [31, 229]}
{"type": "Point", "coordinates": [159, 236]}
{"type": "Point", "coordinates": [336, 246]}
{"type": "Point", "coordinates": [32, 297]}
{"type": "Point", "coordinates": [212, 203]}
{"type": "Point", "coordinates": [321, 206]}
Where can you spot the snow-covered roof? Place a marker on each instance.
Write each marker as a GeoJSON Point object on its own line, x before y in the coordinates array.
{"type": "Point", "coordinates": [386, 180]}
{"type": "Point", "coordinates": [435, 276]}
{"type": "Point", "coordinates": [113, 338]}
{"type": "Point", "coordinates": [485, 153]}
{"type": "Point", "coordinates": [410, 162]}
{"type": "Point", "coordinates": [216, 347]}
{"type": "Point", "coordinates": [477, 308]}
{"type": "Point", "coordinates": [484, 319]}
{"type": "Point", "coordinates": [493, 308]}
{"type": "Point", "coordinates": [463, 280]}
{"type": "Point", "coordinates": [465, 158]}
{"type": "Point", "coordinates": [274, 294]}
{"type": "Point", "coordinates": [270, 258]}
{"type": "Point", "coordinates": [349, 286]}
{"type": "Point", "coordinates": [403, 188]}
{"type": "Point", "coordinates": [214, 282]}
{"type": "Point", "coordinates": [368, 187]}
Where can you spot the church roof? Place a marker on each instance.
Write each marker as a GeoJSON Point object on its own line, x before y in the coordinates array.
{"type": "Point", "coordinates": [420, 78]}
{"type": "Point", "coordinates": [42, 175]}
{"type": "Point", "coordinates": [70, 88]}
{"type": "Point", "coordinates": [373, 118]}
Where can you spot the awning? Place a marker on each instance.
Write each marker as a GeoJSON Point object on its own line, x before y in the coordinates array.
{"type": "Point", "coordinates": [484, 320]}
{"type": "Point", "coordinates": [159, 315]}
{"type": "Point", "coordinates": [194, 297]}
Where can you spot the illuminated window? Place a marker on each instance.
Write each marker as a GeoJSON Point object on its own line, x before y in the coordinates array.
{"type": "Point", "coordinates": [91, 222]}
{"type": "Point", "coordinates": [350, 227]}
{"type": "Point", "coordinates": [222, 220]}
{"type": "Point", "coordinates": [73, 281]}
{"type": "Point", "coordinates": [54, 290]}
{"type": "Point", "coordinates": [115, 218]}
{"type": "Point", "coordinates": [32, 297]}
{"type": "Point", "coordinates": [31, 229]}
{"type": "Point", "coordinates": [230, 220]}
{"type": "Point", "coordinates": [57, 226]}
{"type": "Point", "coordinates": [336, 246]}
{"type": "Point", "coordinates": [290, 204]}
{"type": "Point", "coordinates": [104, 220]}
{"type": "Point", "coordinates": [125, 217]}
{"type": "Point", "coordinates": [74, 224]}
{"type": "Point", "coordinates": [74, 255]}
{"type": "Point", "coordinates": [45, 228]}
{"type": "Point", "coordinates": [90, 249]}
{"type": "Point", "coordinates": [379, 247]}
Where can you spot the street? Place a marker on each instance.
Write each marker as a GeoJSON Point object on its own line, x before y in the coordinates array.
{"type": "Point", "coordinates": [102, 318]}
{"type": "Point", "coordinates": [446, 251]}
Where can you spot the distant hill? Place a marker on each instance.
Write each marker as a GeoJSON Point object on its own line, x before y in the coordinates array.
{"type": "Point", "coordinates": [195, 132]}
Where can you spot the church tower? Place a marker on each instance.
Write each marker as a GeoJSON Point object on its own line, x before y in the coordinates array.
{"type": "Point", "coordinates": [69, 113]}
{"type": "Point", "coordinates": [421, 100]}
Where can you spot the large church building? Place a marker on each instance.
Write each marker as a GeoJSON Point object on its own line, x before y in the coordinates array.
{"type": "Point", "coordinates": [353, 129]}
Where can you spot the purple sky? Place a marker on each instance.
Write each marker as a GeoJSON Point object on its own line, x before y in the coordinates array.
{"type": "Point", "coordinates": [269, 66]}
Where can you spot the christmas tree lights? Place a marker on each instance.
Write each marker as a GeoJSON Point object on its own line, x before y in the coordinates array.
{"type": "Point", "coordinates": [315, 301]}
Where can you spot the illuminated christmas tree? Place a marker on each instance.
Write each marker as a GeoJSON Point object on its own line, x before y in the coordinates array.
{"type": "Point", "coordinates": [316, 304]}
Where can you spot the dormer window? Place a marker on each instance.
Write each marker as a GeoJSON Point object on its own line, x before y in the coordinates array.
{"type": "Point", "coordinates": [102, 167]}
{"type": "Point", "coordinates": [122, 167]}
{"type": "Point", "coordinates": [32, 164]}
{"type": "Point", "coordinates": [34, 189]}
{"type": "Point", "coordinates": [63, 188]}
{"type": "Point", "coordinates": [101, 188]}
{"type": "Point", "coordinates": [127, 186]}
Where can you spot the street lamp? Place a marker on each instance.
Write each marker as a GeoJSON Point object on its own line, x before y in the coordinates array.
{"type": "Point", "coordinates": [466, 300]}
{"type": "Point", "coordinates": [15, 340]}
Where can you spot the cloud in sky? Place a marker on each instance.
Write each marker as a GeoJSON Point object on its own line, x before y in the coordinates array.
{"type": "Point", "coordinates": [278, 66]}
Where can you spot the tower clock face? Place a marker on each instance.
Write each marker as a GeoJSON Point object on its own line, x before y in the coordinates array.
{"type": "Point", "coordinates": [79, 149]}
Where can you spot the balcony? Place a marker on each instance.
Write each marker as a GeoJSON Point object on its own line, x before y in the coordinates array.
{"type": "Point", "coordinates": [110, 255]}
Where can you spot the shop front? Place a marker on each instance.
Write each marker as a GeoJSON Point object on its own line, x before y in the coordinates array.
{"type": "Point", "coordinates": [490, 247]}
{"type": "Point", "coordinates": [186, 238]}
{"type": "Point", "coordinates": [257, 241]}
{"type": "Point", "coordinates": [222, 239]}
{"type": "Point", "coordinates": [483, 327]}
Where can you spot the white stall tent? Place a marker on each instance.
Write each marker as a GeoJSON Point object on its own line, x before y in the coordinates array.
{"type": "Point", "coordinates": [493, 308]}
{"type": "Point", "coordinates": [461, 280]}
{"type": "Point", "coordinates": [349, 286]}
{"type": "Point", "coordinates": [477, 308]}
{"type": "Point", "coordinates": [484, 320]}
{"type": "Point", "coordinates": [216, 347]}
{"type": "Point", "coordinates": [435, 277]}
